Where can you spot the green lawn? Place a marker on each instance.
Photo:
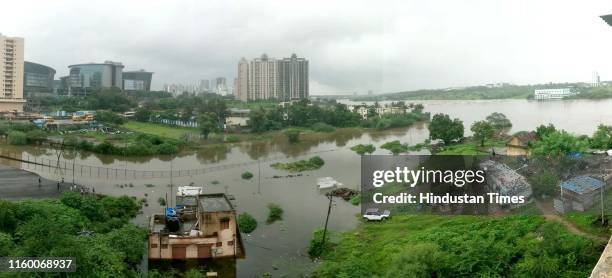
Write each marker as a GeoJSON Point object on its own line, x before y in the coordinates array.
{"type": "Point", "coordinates": [159, 129]}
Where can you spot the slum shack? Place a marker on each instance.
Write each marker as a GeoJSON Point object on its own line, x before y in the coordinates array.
{"type": "Point", "coordinates": [519, 143]}
{"type": "Point", "coordinates": [578, 193]}
{"type": "Point", "coordinates": [201, 226]}
{"type": "Point", "coordinates": [505, 181]}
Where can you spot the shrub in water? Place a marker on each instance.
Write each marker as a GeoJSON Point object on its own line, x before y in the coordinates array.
{"type": "Point", "coordinates": [275, 213]}
{"type": "Point", "coordinates": [247, 175]}
{"type": "Point", "coordinates": [246, 223]}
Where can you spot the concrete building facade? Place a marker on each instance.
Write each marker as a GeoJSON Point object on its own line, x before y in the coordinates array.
{"type": "Point", "coordinates": [11, 74]}
{"type": "Point", "coordinates": [269, 78]}
{"type": "Point", "coordinates": [139, 80]}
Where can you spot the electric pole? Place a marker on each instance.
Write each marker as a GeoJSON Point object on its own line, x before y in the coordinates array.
{"type": "Point", "coordinates": [330, 197]}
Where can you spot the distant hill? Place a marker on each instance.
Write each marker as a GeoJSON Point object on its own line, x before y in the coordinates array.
{"type": "Point", "coordinates": [506, 91]}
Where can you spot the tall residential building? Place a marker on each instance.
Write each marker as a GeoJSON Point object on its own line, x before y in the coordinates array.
{"type": "Point", "coordinates": [11, 74]}
{"type": "Point", "coordinates": [87, 78]}
{"type": "Point", "coordinates": [242, 80]}
{"type": "Point", "coordinates": [269, 78]}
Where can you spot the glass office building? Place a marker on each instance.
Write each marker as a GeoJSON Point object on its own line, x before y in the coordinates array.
{"type": "Point", "coordinates": [37, 80]}
{"type": "Point", "coordinates": [87, 78]}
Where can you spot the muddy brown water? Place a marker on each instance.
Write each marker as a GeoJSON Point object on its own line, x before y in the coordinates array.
{"type": "Point", "coordinates": [280, 248]}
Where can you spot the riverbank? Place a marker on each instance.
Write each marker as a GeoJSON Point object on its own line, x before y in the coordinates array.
{"type": "Point", "coordinates": [465, 245]}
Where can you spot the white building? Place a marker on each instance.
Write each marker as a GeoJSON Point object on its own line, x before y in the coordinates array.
{"type": "Point", "coordinates": [553, 93]}
{"type": "Point", "coordinates": [11, 74]}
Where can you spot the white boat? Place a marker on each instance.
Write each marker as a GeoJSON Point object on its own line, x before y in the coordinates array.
{"type": "Point", "coordinates": [327, 182]}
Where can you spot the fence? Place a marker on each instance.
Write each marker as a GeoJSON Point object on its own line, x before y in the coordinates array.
{"type": "Point", "coordinates": [69, 168]}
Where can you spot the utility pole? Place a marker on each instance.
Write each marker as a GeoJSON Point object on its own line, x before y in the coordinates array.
{"type": "Point", "coordinates": [601, 194]}
{"type": "Point", "coordinates": [259, 177]}
{"type": "Point", "coordinates": [330, 197]}
{"type": "Point", "coordinates": [171, 185]}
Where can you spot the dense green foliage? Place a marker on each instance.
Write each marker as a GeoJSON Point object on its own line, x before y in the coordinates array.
{"type": "Point", "coordinates": [544, 182]}
{"type": "Point", "coordinates": [208, 123]}
{"type": "Point", "coordinates": [545, 130]}
{"type": "Point", "coordinates": [140, 145]}
{"type": "Point", "coordinates": [465, 246]}
{"type": "Point", "coordinates": [143, 115]}
{"type": "Point", "coordinates": [275, 212]}
{"type": "Point", "coordinates": [482, 131]}
{"type": "Point", "coordinates": [17, 138]}
{"type": "Point", "coordinates": [443, 128]}
{"type": "Point", "coordinates": [324, 117]}
{"type": "Point", "coordinates": [602, 138]}
{"type": "Point", "coordinates": [559, 143]}
{"type": "Point", "coordinates": [109, 118]}
{"type": "Point", "coordinates": [94, 230]}
{"type": "Point", "coordinates": [593, 93]}
{"type": "Point", "coordinates": [246, 223]}
{"type": "Point", "coordinates": [313, 163]}
{"type": "Point", "coordinates": [363, 149]}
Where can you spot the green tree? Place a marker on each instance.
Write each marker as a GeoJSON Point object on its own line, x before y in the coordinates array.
{"type": "Point", "coordinates": [443, 128]}
{"type": "Point", "coordinates": [499, 121]}
{"type": "Point", "coordinates": [544, 130]}
{"type": "Point", "coordinates": [36, 136]}
{"type": "Point", "coordinates": [602, 138]}
{"type": "Point", "coordinates": [208, 123]}
{"type": "Point", "coordinates": [143, 115]}
{"type": "Point", "coordinates": [482, 130]}
{"type": "Point", "coordinates": [559, 143]}
{"type": "Point", "coordinates": [545, 182]}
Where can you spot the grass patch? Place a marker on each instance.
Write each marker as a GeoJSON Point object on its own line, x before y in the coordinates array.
{"type": "Point", "coordinates": [159, 129]}
{"type": "Point", "coordinates": [471, 148]}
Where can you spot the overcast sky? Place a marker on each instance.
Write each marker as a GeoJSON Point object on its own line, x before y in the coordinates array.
{"type": "Point", "coordinates": [352, 46]}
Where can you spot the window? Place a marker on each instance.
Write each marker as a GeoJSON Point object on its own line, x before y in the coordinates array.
{"type": "Point", "coordinates": [219, 244]}
{"type": "Point", "coordinates": [164, 246]}
{"type": "Point", "coordinates": [230, 243]}
{"type": "Point", "coordinates": [224, 224]}
{"type": "Point", "coordinates": [153, 245]}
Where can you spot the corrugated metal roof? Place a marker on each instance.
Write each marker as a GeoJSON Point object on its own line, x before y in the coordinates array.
{"type": "Point", "coordinates": [607, 19]}
{"type": "Point", "coordinates": [582, 184]}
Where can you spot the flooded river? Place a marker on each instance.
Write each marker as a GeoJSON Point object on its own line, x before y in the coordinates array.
{"type": "Point", "coordinates": [280, 248]}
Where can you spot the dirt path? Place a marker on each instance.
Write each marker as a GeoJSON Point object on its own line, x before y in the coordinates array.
{"type": "Point", "coordinates": [550, 214]}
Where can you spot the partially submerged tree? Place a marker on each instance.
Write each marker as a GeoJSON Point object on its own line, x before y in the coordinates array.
{"type": "Point", "coordinates": [482, 130]}
{"type": "Point", "coordinates": [443, 128]}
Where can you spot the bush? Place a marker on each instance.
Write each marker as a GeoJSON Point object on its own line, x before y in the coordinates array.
{"type": "Point", "coordinates": [293, 135]}
{"type": "Point", "coordinates": [247, 175]}
{"type": "Point", "coordinates": [36, 136]}
{"type": "Point", "coordinates": [356, 200]}
{"type": "Point", "coordinates": [17, 138]}
{"type": "Point", "coordinates": [109, 117]}
{"type": "Point", "coordinates": [316, 247]}
{"type": "Point", "coordinates": [246, 223]}
{"type": "Point", "coordinates": [322, 127]}
{"type": "Point", "coordinates": [167, 148]}
{"type": "Point", "coordinates": [275, 213]}
{"type": "Point", "coordinates": [316, 161]}
{"type": "Point", "coordinates": [161, 201]}
{"type": "Point", "coordinates": [71, 141]}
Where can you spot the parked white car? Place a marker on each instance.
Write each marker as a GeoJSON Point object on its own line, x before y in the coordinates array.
{"type": "Point", "coordinates": [374, 214]}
